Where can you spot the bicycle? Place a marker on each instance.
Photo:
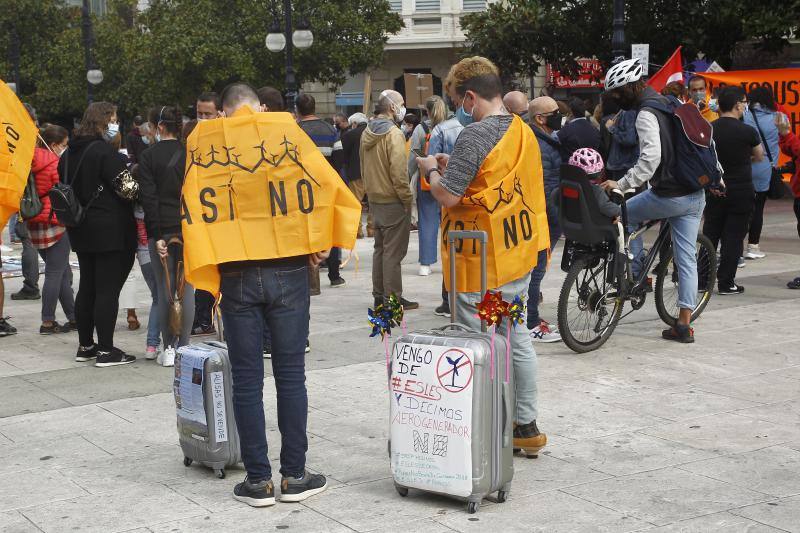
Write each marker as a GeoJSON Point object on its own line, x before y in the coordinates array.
{"type": "Point", "coordinates": [600, 278]}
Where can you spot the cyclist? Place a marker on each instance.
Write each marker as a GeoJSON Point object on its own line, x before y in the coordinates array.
{"type": "Point", "coordinates": [666, 198]}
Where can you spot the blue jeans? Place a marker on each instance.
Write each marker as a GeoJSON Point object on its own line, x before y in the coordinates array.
{"type": "Point", "coordinates": [683, 214]}
{"type": "Point", "coordinates": [275, 292]}
{"type": "Point", "coordinates": [429, 214]}
{"type": "Point", "coordinates": [153, 322]}
{"type": "Point", "coordinates": [537, 274]}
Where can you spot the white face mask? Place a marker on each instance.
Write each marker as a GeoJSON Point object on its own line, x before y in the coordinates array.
{"type": "Point", "coordinates": [111, 131]}
{"type": "Point", "coordinates": [400, 113]}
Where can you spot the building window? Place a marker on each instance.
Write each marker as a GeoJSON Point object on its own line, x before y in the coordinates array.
{"type": "Point", "coordinates": [474, 5]}
{"type": "Point", "coordinates": [396, 5]}
{"type": "Point", "coordinates": [98, 7]}
{"type": "Point", "coordinates": [427, 5]}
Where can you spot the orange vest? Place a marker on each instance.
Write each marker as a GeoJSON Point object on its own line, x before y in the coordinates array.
{"type": "Point", "coordinates": [506, 200]}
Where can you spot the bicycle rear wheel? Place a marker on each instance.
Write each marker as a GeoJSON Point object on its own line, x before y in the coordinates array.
{"type": "Point", "coordinates": [588, 306]}
{"type": "Point", "coordinates": [667, 283]}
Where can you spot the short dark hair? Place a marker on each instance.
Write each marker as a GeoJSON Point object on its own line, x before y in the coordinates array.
{"type": "Point", "coordinates": [211, 97]}
{"type": "Point", "coordinates": [763, 95]}
{"type": "Point", "coordinates": [306, 105]}
{"type": "Point", "coordinates": [609, 105]}
{"type": "Point", "coordinates": [694, 78]}
{"type": "Point", "coordinates": [411, 118]}
{"type": "Point", "coordinates": [95, 119]}
{"type": "Point", "coordinates": [487, 86]}
{"type": "Point", "coordinates": [729, 97]}
{"type": "Point", "coordinates": [168, 116]}
{"type": "Point", "coordinates": [54, 134]}
{"type": "Point", "coordinates": [138, 120]}
{"type": "Point", "coordinates": [272, 98]}
{"type": "Point", "coordinates": [577, 107]}
{"type": "Point", "coordinates": [235, 93]}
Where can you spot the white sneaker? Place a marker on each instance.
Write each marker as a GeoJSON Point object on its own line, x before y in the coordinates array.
{"type": "Point", "coordinates": [753, 252]}
{"type": "Point", "coordinates": [543, 333]}
{"type": "Point", "coordinates": [424, 270]}
{"type": "Point", "coordinates": [167, 357]}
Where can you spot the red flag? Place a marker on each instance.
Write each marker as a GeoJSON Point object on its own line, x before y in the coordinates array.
{"type": "Point", "coordinates": [671, 71]}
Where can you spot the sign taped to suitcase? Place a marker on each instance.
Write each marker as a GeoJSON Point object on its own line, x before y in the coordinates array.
{"type": "Point", "coordinates": [431, 417]}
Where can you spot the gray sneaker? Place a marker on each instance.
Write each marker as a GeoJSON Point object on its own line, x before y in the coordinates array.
{"type": "Point", "coordinates": [298, 489]}
{"type": "Point", "coordinates": [261, 494]}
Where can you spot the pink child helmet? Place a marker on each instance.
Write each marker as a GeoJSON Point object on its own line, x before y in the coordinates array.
{"type": "Point", "coordinates": [587, 159]}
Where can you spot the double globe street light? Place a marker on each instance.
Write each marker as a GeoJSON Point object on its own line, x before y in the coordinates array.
{"type": "Point", "coordinates": [276, 41]}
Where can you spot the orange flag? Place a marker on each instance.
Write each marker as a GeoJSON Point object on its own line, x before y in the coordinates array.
{"type": "Point", "coordinates": [16, 151]}
{"type": "Point", "coordinates": [257, 187]}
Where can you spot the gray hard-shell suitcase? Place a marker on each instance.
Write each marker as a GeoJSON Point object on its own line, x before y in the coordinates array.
{"type": "Point", "coordinates": [206, 424]}
{"type": "Point", "coordinates": [434, 424]}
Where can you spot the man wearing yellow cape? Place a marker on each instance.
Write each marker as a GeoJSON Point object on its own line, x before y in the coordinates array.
{"type": "Point", "coordinates": [493, 182]}
{"type": "Point", "coordinates": [260, 204]}
{"type": "Point", "coordinates": [16, 153]}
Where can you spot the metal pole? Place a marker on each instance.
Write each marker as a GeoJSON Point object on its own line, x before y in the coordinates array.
{"type": "Point", "coordinates": [14, 57]}
{"type": "Point", "coordinates": [291, 82]}
{"type": "Point", "coordinates": [618, 35]}
{"type": "Point", "coordinates": [86, 26]}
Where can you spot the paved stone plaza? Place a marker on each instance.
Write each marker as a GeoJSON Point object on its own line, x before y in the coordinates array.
{"type": "Point", "coordinates": [643, 434]}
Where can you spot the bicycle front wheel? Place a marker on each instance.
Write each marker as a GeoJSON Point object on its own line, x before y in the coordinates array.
{"type": "Point", "coordinates": [668, 284]}
{"type": "Point", "coordinates": [588, 306]}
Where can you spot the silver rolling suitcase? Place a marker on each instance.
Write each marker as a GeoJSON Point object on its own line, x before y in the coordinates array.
{"type": "Point", "coordinates": [452, 408]}
{"type": "Point", "coordinates": [204, 401]}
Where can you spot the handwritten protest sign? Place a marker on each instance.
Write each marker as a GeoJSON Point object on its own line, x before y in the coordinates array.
{"type": "Point", "coordinates": [431, 417]}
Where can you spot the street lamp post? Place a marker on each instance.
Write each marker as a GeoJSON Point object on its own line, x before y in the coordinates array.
{"type": "Point", "coordinates": [618, 35]}
{"type": "Point", "coordinates": [14, 57]}
{"type": "Point", "coordinates": [276, 41]}
{"type": "Point", "coordinates": [94, 76]}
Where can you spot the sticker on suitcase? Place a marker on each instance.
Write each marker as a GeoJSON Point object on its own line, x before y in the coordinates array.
{"type": "Point", "coordinates": [431, 417]}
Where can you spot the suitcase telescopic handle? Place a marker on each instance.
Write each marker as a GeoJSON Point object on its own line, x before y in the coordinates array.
{"type": "Point", "coordinates": [452, 236]}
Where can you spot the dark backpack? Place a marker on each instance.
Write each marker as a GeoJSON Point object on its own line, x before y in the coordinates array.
{"type": "Point", "coordinates": [694, 164]}
{"type": "Point", "coordinates": [30, 205]}
{"type": "Point", "coordinates": [65, 205]}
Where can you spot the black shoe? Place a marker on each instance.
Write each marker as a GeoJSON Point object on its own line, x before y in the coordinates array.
{"type": "Point", "coordinates": [794, 284]}
{"type": "Point", "coordinates": [113, 358]}
{"type": "Point", "coordinates": [679, 333]}
{"type": "Point", "coordinates": [86, 354]}
{"type": "Point", "coordinates": [267, 352]}
{"type": "Point", "coordinates": [6, 329]}
{"type": "Point", "coordinates": [261, 494]}
{"type": "Point", "coordinates": [407, 305]}
{"type": "Point", "coordinates": [25, 294]}
{"type": "Point", "coordinates": [442, 310]}
{"type": "Point", "coordinates": [298, 489]}
{"type": "Point", "coordinates": [203, 330]}
{"type": "Point", "coordinates": [733, 289]}
{"type": "Point", "coordinates": [308, 346]}
{"type": "Point", "coordinates": [51, 329]}
{"type": "Point", "coordinates": [338, 283]}
{"type": "Point", "coordinates": [66, 327]}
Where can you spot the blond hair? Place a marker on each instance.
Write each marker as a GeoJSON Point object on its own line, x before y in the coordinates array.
{"type": "Point", "coordinates": [467, 69]}
{"type": "Point", "coordinates": [437, 110]}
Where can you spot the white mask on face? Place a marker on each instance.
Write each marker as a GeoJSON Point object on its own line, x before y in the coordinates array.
{"type": "Point", "coordinates": [400, 114]}
{"type": "Point", "coordinates": [111, 131]}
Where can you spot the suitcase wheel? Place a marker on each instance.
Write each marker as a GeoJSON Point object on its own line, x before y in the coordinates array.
{"type": "Point", "coordinates": [472, 507]}
{"type": "Point", "coordinates": [220, 473]}
{"type": "Point", "coordinates": [187, 462]}
{"type": "Point", "coordinates": [402, 491]}
{"type": "Point", "coordinates": [502, 496]}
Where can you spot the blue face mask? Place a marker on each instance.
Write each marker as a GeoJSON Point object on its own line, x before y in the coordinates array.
{"type": "Point", "coordinates": [158, 137]}
{"type": "Point", "coordinates": [146, 140]}
{"type": "Point", "coordinates": [463, 117]}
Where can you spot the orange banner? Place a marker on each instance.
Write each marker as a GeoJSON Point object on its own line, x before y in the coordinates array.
{"type": "Point", "coordinates": [16, 151]}
{"type": "Point", "coordinates": [785, 84]}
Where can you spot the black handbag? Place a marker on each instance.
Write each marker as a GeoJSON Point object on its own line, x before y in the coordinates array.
{"type": "Point", "coordinates": [777, 189]}
{"type": "Point", "coordinates": [66, 206]}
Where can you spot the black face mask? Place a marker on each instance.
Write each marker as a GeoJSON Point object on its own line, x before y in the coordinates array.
{"type": "Point", "coordinates": [554, 121]}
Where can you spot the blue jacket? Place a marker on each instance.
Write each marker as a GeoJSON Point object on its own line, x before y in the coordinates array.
{"type": "Point", "coordinates": [763, 169]}
{"type": "Point", "coordinates": [624, 150]}
{"type": "Point", "coordinates": [551, 159]}
{"type": "Point", "coordinates": [443, 137]}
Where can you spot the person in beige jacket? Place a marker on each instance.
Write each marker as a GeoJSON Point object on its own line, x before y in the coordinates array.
{"type": "Point", "coordinates": [384, 172]}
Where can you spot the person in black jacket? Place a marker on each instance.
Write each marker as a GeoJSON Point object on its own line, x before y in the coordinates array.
{"type": "Point", "coordinates": [351, 140]}
{"type": "Point", "coordinates": [105, 241]}
{"type": "Point", "coordinates": [578, 132]}
{"type": "Point", "coordinates": [161, 171]}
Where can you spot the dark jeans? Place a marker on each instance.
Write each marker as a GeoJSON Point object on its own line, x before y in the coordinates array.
{"type": "Point", "coordinates": [537, 275]}
{"type": "Point", "coordinates": [203, 307]}
{"type": "Point", "coordinates": [30, 259]}
{"type": "Point", "coordinates": [334, 263]}
{"type": "Point", "coordinates": [727, 219]}
{"type": "Point", "coordinates": [97, 303]}
{"type": "Point", "coordinates": [57, 285]}
{"type": "Point", "coordinates": [757, 220]}
{"type": "Point", "coordinates": [275, 292]}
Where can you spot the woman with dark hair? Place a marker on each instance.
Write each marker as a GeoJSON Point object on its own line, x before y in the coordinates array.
{"type": "Point", "coordinates": [761, 116]}
{"type": "Point", "coordinates": [105, 240]}
{"type": "Point", "coordinates": [49, 237]}
{"type": "Point", "coordinates": [161, 171]}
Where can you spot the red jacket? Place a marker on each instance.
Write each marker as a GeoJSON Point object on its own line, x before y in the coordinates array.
{"type": "Point", "coordinates": [790, 145]}
{"type": "Point", "coordinates": [45, 169]}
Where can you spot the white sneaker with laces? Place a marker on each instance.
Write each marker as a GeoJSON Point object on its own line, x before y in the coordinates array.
{"type": "Point", "coordinates": [543, 333]}
{"type": "Point", "coordinates": [753, 252]}
{"type": "Point", "coordinates": [168, 357]}
{"type": "Point", "coordinates": [424, 270]}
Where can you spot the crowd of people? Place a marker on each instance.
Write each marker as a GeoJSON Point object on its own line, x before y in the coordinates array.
{"type": "Point", "coordinates": [409, 171]}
